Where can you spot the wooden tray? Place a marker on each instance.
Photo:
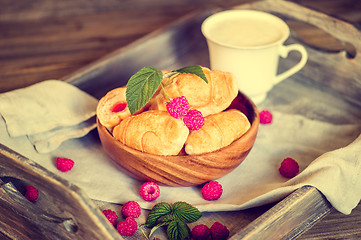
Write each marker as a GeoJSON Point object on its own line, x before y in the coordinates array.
{"type": "Point", "coordinates": [65, 211]}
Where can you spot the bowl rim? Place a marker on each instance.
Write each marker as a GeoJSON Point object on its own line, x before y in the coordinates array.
{"type": "Point", "coordinates": [251, 131]}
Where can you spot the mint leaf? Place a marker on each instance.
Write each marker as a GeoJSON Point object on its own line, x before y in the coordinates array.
{"type": "Point", "coordinates": [166, 219]}
{"type": "Point", "coordinates": [141, 87]}
{"type": "Point", "coordinates": [194, 69]}
{"type": "Point", "coordinates": [177, 230]}
{"type": "Point", "coordinates": [159, 210]}
{"type": "Point", "coordinates": [186, 212]}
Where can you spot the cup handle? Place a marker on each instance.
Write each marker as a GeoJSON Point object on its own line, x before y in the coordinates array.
{"type": "Point", "coordinates": [284, 50]}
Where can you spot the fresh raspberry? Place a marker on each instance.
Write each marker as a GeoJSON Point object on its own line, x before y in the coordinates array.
{"type": "Point", "coordinates": [127, 227]}
{"type": "Point", "coordinates": [201, 232]}
{"type": "Point", "coordinates": [194, 120]}
{"type": "Point", "coordinates": [149, 191]}
{"type": "Point", "coordinates": [219, 231]}
{"type": "Point", "coordinates": [31, 193]}
{"type": "Point", "coordinates": [212, 191]}
{"type": "Point", "coordinates": [289, 168]}
{"type": "Point", "coordinates": [111, 216]}
{"type": "Point", "coordinates": [64, 164]}
{"type": "Point", "coordinates": [178, 107]}
{"type": "Point", "coordinates": [131, 209]}
{"type": "Point", "coordinates": [265, 117]}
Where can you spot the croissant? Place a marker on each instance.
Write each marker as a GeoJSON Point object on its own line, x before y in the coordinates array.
{"type": "Point", "coordinates": [113, 108]}
{"type": "Point", "coordinates": [209, 98]}
{"type": "Point", "coordinates": [219, 130]}
{"type": "Point", "coordinates": [152, 131]}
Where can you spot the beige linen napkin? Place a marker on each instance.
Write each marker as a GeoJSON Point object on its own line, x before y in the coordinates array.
{"type": "Point", "coordinates": [328, 155]}
{"type": "Point", "coordinates": [48, 113]}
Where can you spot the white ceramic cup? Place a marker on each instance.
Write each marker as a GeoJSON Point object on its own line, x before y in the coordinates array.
{"type": "Point", "coordinates": [248, 43]}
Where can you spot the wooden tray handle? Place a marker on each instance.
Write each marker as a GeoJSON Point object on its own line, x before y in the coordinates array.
{"type": "Point", "coordinates": [334, 70]}
{"type": "Point", "coordinates": [62, 210]}
{"type": "Point", "coordinates": [344, 31]}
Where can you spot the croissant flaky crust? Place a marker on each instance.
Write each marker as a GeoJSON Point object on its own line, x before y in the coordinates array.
{"type": "Point", "coordinates": [152, 131]}
{"type": "Point", "coordinates": [209, 98]}
{"type": "Point", "coordinates": [219, 130]}
{"type": "Point", "coordinates": [106, 105]}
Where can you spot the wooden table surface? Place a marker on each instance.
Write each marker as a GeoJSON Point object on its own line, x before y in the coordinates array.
{"type": "Point", "coordinates": [48, 39]}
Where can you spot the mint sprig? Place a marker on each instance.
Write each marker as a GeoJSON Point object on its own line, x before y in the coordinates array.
{"type": "Point", "coordinates": [175, 216]}
{"type": "Point", "coordinates": [158, 211]}
{"type": "Point", "coordinates": [194, 69]}
{"type": "Point", "coordinates": [144, 83]}
{"type": "Point", "coordinates": [186, 212]}
{"type": "Point", "coordinates": [141, 87]}
{"type": "Point", "coordinates": [177, 230]}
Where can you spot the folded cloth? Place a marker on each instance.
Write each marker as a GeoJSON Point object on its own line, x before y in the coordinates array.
{"type": "Point", "coordinates": [49, 113]}
{"type": "Point", "coordinates": [343, 165]}
{"type": "Point", "coordinates": [328, 155]}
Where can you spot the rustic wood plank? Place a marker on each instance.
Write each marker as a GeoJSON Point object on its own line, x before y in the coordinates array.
{"type": "Point", "coordinates": [336, 225]}
{"type": "Point", "coordinates": [36, 66]}
{"type": "Point", "coordinates": [43, 9]}
{"type": "Point", "coordinates": [62, 210]}
{"type": "Point", "coordinates": [13, 225]}
{"type": "Point", "coordinates": [347, 10]}
{"type": "Point", "coordinates": [289, 218]}
{"type": "Point", "coordinates": [50, 39]}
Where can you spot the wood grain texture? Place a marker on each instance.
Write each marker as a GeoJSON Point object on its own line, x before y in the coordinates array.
{"type": "Point", "coordinates": [184, 170]}
{"type": "Point", "coordinates": [336, 225]}
{"type": "Point", "coordinates": [302, 209]}
{"type": "Point", "coordinates": [43, 39]}
{"type": "Point", "coordinates": [62, 211]}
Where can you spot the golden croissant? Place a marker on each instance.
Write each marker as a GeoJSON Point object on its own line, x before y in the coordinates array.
{"type": "Point", "coordinates": [219, 130]}
{"type": "Point", "coordinates": [152, 131]}
{"type": "Point", "coordinates": [209, 98]}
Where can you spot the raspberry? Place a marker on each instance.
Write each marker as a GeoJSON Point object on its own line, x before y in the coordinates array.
{"type": "Point", "coordinates": [111, 216]}
{"type": "Point", "coordinates": [149, 191]}
{"type": "Point", "coordinates": [265, 117]}
{"type": "Point", "coordinates": [64, 164]}
{"type": "Point", "coordinates": [289, 168]}
{"type": "Point", "coordinates": [201, 232]}
{"type": "Point", "coordinates": [194, 120]}
{"type": "Point", "coordinates": [178, 107]}
{"type": "Point", "coordinates": [219, 231]}
{"type": "Point", "coordinates": [212, 191]}
{"type": "Point", "coordinates": [127, 227]}
{"type": "Point", "coordinates": [131, 209]}
{"type": "Point", "coordinates": [31, 193]}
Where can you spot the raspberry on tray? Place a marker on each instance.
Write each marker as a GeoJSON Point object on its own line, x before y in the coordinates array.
{"type": "Point", "coordinates": [149, 191]}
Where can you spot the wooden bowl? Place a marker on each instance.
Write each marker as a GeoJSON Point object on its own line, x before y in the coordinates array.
{"type": "Point", "coordinates": [184, 170]}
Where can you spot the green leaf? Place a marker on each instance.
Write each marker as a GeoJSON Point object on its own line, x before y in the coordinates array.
{"type": "Point", "coordinates": [194, 69]}
{"type": "Point", "coordinates": [177, 230]}
{"type": "Point", "coordinates": [159, 210]}
{"type": "Point", "coordinates": [141, 87]}
{"type": "Point", "coordinates": [186, 212]}
{"type": "Point", "coordinates": [166, 218]}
